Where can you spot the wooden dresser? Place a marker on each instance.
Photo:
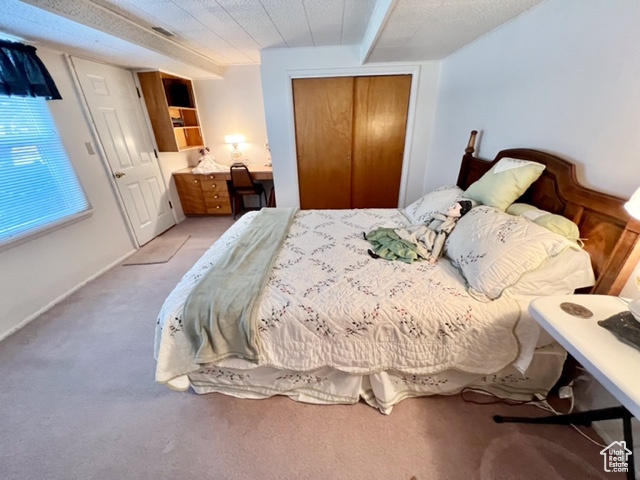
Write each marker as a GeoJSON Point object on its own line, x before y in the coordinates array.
{"type": "Point", "coordinates": [203, 194]}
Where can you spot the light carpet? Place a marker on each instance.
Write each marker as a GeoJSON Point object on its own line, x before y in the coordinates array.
{"type": "Point", "coordinates": [159, 250]}
{"type": "Point", "coordinates": [78, 401]}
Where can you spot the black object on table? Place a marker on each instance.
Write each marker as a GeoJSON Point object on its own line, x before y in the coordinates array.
{"type": "Point", "coordinates": [624, 326]}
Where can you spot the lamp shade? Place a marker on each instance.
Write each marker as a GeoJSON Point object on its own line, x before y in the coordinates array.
{"type": "Point", "coordinates": [233, 138]}
{"type": "Point", "coordinates": [633, 205]}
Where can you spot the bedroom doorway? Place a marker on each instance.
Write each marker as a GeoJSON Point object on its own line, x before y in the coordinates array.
{"type": "Point", "coordinates": [350, 136]}
{"type": "Point", "coordinates": [116, 111]}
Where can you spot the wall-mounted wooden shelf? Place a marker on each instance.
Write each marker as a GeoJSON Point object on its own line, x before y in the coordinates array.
{"type": "Point", "coordinates": [172, 111]}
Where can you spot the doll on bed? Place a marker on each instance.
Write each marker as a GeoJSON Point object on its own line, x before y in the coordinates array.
{"type": "Point", "coordinates": [417, 242]}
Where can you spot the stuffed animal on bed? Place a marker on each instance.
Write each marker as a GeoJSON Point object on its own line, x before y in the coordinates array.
{"type": "Point", "coordinates": [417, 242]}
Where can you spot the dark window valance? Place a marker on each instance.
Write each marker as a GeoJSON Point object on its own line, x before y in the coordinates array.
{"type": "Point", "coordinates": [23, 74]}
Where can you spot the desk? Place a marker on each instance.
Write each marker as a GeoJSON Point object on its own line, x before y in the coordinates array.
{"type": "Point", "coordinates": [613, 363]}
{"type": "Point", "coordinates": [257, 171]}
{"type": "Point", "coordinates": [207, 194]}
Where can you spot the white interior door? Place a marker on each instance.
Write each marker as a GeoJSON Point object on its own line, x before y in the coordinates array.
{"type": "Point", "coordinates": [119, 119]}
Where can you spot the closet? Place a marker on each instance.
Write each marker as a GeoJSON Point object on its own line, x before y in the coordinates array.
{"type": "Point", "coordinates": [350, 134]}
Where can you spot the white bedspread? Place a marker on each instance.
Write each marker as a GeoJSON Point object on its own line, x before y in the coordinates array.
{"type": "Point", "coordinates": [329, 304]}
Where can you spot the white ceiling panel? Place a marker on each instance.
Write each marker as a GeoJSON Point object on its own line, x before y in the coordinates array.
{"type": "Point", "coordinates": [290, 19]}
{"type": "Point", "coordinates": [42, 28]}
{"type": "Point", "coordinates": [153, 14]}
{"type": "Point", "coordinates": [252, 16]}
{"type": "Point", "coordinates": [441, 27]}
{"type": "Point", "coordinates": [325, 21]}
{"type": "Point", "coordinates": [210, 34]}
{"type": "Point", "coordinates": [216, 19]}
{"type": "Point", "coordinates": [356, 19]}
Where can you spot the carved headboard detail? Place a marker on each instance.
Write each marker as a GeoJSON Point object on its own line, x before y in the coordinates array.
{"type": "Point", "coordinates": [610, 234]}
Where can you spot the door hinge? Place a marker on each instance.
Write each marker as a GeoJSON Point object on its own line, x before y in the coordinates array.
{"type": "Point", "coordinates": [155, 153]}
{"type": "Point", "coordinates": [170, 205]}
{"type": "Point", "coordinates": [138, 90]}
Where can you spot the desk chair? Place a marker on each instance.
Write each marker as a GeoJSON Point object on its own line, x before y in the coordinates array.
{"type": "Point", "coordinates": [242, 184]}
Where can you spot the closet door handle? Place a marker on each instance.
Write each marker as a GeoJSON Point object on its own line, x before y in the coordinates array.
{"type": "Point", "coordinates": [348, 158]}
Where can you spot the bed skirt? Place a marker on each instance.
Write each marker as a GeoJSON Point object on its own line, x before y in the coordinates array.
{"type": "Point", "coordinates": [382, 390]}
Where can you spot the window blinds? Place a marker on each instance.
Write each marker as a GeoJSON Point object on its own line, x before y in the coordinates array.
{"type": "Point", "coordinates": [38, 186]}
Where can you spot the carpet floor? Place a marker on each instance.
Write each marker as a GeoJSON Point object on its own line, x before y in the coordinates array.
{"type": "Point", "coordinates": [78, 401]}
{"type": "Point", "coordinates": [159, 250]}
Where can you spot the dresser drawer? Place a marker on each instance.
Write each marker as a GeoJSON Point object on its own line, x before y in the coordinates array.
{"type": "Point", "coordinates": [215, 196]}
{"type": "Point", "coordinates": [213, 185]}
{"type": "Point", "coordinates": [220, 209]}
{"type": "Point", "coordinates": [213, 176]}
{"type": "Point", "coordinates": [203, 194]}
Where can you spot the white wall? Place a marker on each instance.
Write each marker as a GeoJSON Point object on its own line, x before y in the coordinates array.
{"type": "Point", "coordinates": [279, 66]}
{"type": "Point", "coordinates": [170, 162]}
{"type": "Point", "coordinates": [233, 104]}
{"type": "Point", "coordinates": [38, 273]}
{"type": "Point", "coordinates": [562, 78]}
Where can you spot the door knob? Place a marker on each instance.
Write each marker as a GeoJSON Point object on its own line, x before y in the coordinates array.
{"type": "Point", "coordinates": [119, 174]}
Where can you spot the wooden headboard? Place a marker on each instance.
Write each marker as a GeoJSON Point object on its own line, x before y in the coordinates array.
{"type": "Point", "coordinates": [610, 234]}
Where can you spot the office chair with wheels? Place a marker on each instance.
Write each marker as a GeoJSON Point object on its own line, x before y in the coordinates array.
{"type": "Point", "coordinates": [242, 184]}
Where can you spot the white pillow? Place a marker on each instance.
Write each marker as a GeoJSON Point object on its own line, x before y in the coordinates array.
{"type": "Point", "coordinates": [493, 249]}
{"type": "Point", "coordinates": [559, 275]}
{"type": "Point", "coordinates": [437, 201]}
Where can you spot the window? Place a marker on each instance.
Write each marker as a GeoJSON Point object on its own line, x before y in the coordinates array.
{"type": "Point", "coordinates": [39, 189]}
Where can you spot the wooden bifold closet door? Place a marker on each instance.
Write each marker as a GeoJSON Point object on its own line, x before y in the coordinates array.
{"type": "Point", "coordinates": [350, 134]}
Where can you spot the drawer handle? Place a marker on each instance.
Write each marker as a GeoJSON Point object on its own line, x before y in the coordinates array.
{"type": "Point", "coordinates": [215, 196]}
{"type": "Point", "coordinates": [195, 181]}
{"type": "Point", "coordinates": [213, 185]}
{"type": "Point", "coordinates": [217, 206]}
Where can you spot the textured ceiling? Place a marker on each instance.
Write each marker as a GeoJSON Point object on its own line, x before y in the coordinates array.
{"type": "Point", "coordinates": [210, 34]}
{"type": "Point", "coordinates": [432, 29]}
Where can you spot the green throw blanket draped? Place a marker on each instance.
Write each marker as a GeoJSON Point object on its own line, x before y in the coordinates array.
{"type": "Point", "coordinates": [387, 244]}
{"type": "Point", "coordinates": [220, 314]}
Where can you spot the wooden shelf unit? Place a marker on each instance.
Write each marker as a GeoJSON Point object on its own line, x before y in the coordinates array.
{"type": "Point", "coordinates": [172, 111]}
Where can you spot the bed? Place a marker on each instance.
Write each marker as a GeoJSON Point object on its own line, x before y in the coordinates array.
{"type": "Point", "coordinates": [332, 325]}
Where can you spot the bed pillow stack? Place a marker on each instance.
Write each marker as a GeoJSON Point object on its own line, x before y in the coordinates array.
{"type": "Point", "coordinates": [494, 250]}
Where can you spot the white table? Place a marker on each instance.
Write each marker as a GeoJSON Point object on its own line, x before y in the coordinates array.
{"type": "Point", "coordinates": [612, 362]}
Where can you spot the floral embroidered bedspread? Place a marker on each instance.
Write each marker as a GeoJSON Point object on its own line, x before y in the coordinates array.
{"type": "Point", "coordinates": [328, 303]}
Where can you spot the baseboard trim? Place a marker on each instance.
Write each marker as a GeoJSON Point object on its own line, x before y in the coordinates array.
{"type": "Point", "coordinates": [57, 300]}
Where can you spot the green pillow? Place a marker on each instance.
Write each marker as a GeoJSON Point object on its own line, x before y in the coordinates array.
{"type": "Point", "coordinates": [504, 183]}
{"type": "Point", "coordinates": [556, 223]}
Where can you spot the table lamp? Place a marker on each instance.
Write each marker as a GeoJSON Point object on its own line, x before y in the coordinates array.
{"type": "Point", "coordinates": [234, 139]}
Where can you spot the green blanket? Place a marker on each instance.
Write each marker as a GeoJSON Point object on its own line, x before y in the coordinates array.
{"type": "Point", "coordinates": [220, 314]}
{"type": "Point", "coordinates": [387, 244]}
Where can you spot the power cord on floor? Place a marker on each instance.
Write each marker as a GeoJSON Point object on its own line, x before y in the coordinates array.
{"type": "Point", "coordinates": [544, 405]}
{"type": "Point", "coordinates": [496, 399]}
{"type": "Point", "coordinates": [541, 403]}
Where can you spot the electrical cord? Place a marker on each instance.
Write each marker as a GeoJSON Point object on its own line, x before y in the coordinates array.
{"type": "Point", "coordinates": [543, 404]}
{"type": "Point", "coordinates": [497, 399]}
